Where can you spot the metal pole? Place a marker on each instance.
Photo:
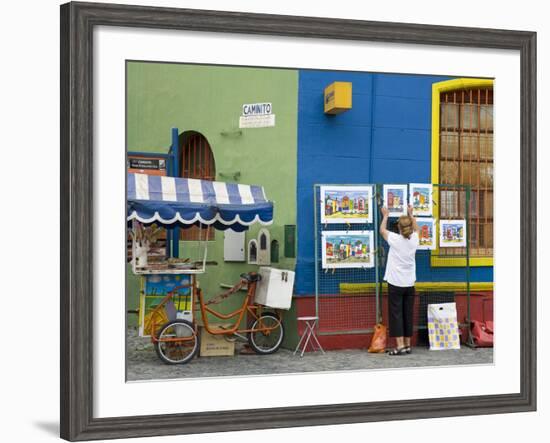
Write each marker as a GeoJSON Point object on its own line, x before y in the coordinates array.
{"type": "Point", "coordinates": [377, 252]}
{"type": "Point", "coordinates": [175, 173]}
{"type": "Point", "coordinates": [468, 315]}
{"type": "Point", "coordinates": [316, 250]}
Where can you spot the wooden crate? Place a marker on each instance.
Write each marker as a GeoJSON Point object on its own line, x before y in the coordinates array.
{"type": "Point", "coordinates": [215, 345]}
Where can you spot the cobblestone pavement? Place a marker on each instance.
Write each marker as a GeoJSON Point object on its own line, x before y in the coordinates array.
{"type": "Point", "coordinates": [143, 363]}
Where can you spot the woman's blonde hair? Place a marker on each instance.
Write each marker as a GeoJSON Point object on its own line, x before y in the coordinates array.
{"type": "Point", "coordinates": [405, 226]}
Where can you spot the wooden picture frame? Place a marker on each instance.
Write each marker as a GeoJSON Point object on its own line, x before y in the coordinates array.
{"type": "Point", "coordinates": [77, 214]}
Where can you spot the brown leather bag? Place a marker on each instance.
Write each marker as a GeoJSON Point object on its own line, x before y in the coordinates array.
{"type": "Point", "coordinates": [378, 343]}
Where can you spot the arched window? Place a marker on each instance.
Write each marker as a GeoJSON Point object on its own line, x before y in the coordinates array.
{"type": "Point", "coordinates": [252, 252]}
{"type": "Point", "coordinates": [274, 251]}
{"type": "Point", "coordinates": [196, 161]}
{"type": "Point", "coordinates": [264, 252]}
{"type": "Point", "coordinates": [263, 241]}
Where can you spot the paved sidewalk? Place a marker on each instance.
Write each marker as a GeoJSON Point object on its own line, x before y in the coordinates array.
{"type": "Point", "coordinates": [143, 363]}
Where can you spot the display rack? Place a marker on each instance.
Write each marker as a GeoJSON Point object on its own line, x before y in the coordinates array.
{"type": "Point", "coordinates": [353, 300]}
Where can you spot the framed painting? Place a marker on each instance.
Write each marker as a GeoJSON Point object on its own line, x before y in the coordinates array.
{"type": "Point", "coordinates": [420, 197]}
{"type": "Point", "coordinates": [427, 236]}
{"type": "Point", "coordinates": [120, 150]}
{"type": "Point", "coordinates": [395, 199]}
{"type": "Point", "coordinates": [452, 233]}
{"type": "Point", "coordinates": [346, 204]}
{"type": "Point", "coordinates": [348, 249]}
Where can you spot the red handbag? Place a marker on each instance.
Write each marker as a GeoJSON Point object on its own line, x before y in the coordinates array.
{"type": "Point", "coordinates": [483, 333]}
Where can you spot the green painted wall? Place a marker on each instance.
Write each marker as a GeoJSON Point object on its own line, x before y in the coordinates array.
{"type": "Point", "coordinates": [209, 99]}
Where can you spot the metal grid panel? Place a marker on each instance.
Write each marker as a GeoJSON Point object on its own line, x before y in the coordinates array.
{"type": "Point", "coordinates": [340, 312]}
{"type": "Point", "coordinates": [353, 300]}
{"type": "Point", "coordinates": [452, 201]}
{"type": "Point", "coordinates": [420, 316]}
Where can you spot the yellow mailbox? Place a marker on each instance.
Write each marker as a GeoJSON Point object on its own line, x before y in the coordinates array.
{"type": "Point", "coordinates": [337, 97]}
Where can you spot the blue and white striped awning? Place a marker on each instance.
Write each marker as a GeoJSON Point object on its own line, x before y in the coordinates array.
{"type": "Point", "coordinates": [188, 201]}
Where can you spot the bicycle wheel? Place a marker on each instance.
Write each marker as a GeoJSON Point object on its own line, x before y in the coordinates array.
{"type": "Point", "coordinates": [268, 341]}
{"type": "Point", "coordinates": [172, 351]}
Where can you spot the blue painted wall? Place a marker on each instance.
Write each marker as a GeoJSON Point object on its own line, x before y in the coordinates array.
{"type": "Point", "coordinates": [384, 138]}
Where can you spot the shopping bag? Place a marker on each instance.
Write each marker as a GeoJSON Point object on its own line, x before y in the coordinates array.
{"type": "Point", "coordinates": [443, 326]}
{"type": "Point", "coordinates": [378, 342]}
{"type": "Point", "coordinates": [482, 333]}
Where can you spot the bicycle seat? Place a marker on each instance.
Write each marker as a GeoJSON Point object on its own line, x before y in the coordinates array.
{"type": "Point", "coordinates": [251, 277]}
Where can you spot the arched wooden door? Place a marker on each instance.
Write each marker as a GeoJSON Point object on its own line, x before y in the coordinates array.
{"type": "Point", "coordinates": [197, 161]}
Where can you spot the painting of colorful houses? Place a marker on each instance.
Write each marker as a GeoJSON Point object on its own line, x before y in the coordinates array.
{"type": "Point", "coordinates": [395, 199]}
{"type": "Point", "coordinates": [346, 204]}
{"type": "Point", "coordinates": [426, 233]}
{"type": "Point", "coordinates": [348, 249]}
{"type": "Point", "coordinates": [452, 233]}
{"type": "Point", "coordinates": [420, 197]}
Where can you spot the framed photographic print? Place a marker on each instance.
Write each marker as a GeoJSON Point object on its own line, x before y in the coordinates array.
{"type": "Point", "coordinates": [395, 199]}
{"type": "Point", "coordinates": [189, 119]}
{"type": "Point", "coordinates": [426, 233]}
{"type": "Point", "coordinates": [348, 249]}
{"type": "Point", "coordinates": [420, 197]}
{"type": "Point", "coordinates": [452, 233]}
{"type": "Point", "coordinates": [346, 204]}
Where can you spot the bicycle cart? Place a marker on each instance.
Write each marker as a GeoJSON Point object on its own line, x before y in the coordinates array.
{"type": "Point", "coordinates": [170, 294]}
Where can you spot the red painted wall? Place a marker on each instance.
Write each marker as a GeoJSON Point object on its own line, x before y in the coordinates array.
{"type": "Point", "coordinates": [340, 312]}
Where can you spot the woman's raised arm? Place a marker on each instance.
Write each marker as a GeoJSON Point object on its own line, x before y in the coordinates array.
{"type": "Point", "coordinates": [383, 224]}
{"type": "Point", "coordinates": [413, 219]}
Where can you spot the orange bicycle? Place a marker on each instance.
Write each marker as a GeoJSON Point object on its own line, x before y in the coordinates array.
{"type": "Point", "coordinates": [177, 341]}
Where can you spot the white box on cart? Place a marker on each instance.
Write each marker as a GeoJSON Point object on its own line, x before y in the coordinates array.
{"type": "Point", "coordinates": [275, 288]}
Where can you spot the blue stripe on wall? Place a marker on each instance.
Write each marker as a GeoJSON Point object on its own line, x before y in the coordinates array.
{"type": "Point", "coordinates": [395, 142]}
{"type": "Point", "coordinates": [402, 144]}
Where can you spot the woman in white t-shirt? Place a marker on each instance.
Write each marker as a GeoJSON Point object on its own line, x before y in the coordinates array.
{"type": "Point", "coordinates": [401, 276]}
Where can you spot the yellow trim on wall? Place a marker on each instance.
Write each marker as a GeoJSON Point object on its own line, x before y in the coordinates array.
{"type": "Point", "coordinates": [437, 89]}
{"type": "Point", "coordinates": [358, 288]}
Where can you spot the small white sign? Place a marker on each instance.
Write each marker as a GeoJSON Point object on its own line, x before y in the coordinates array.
{"type": "Point", "coordinates": [257, 109]}
{"type": "Point", "coordinates": [257, 121]}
